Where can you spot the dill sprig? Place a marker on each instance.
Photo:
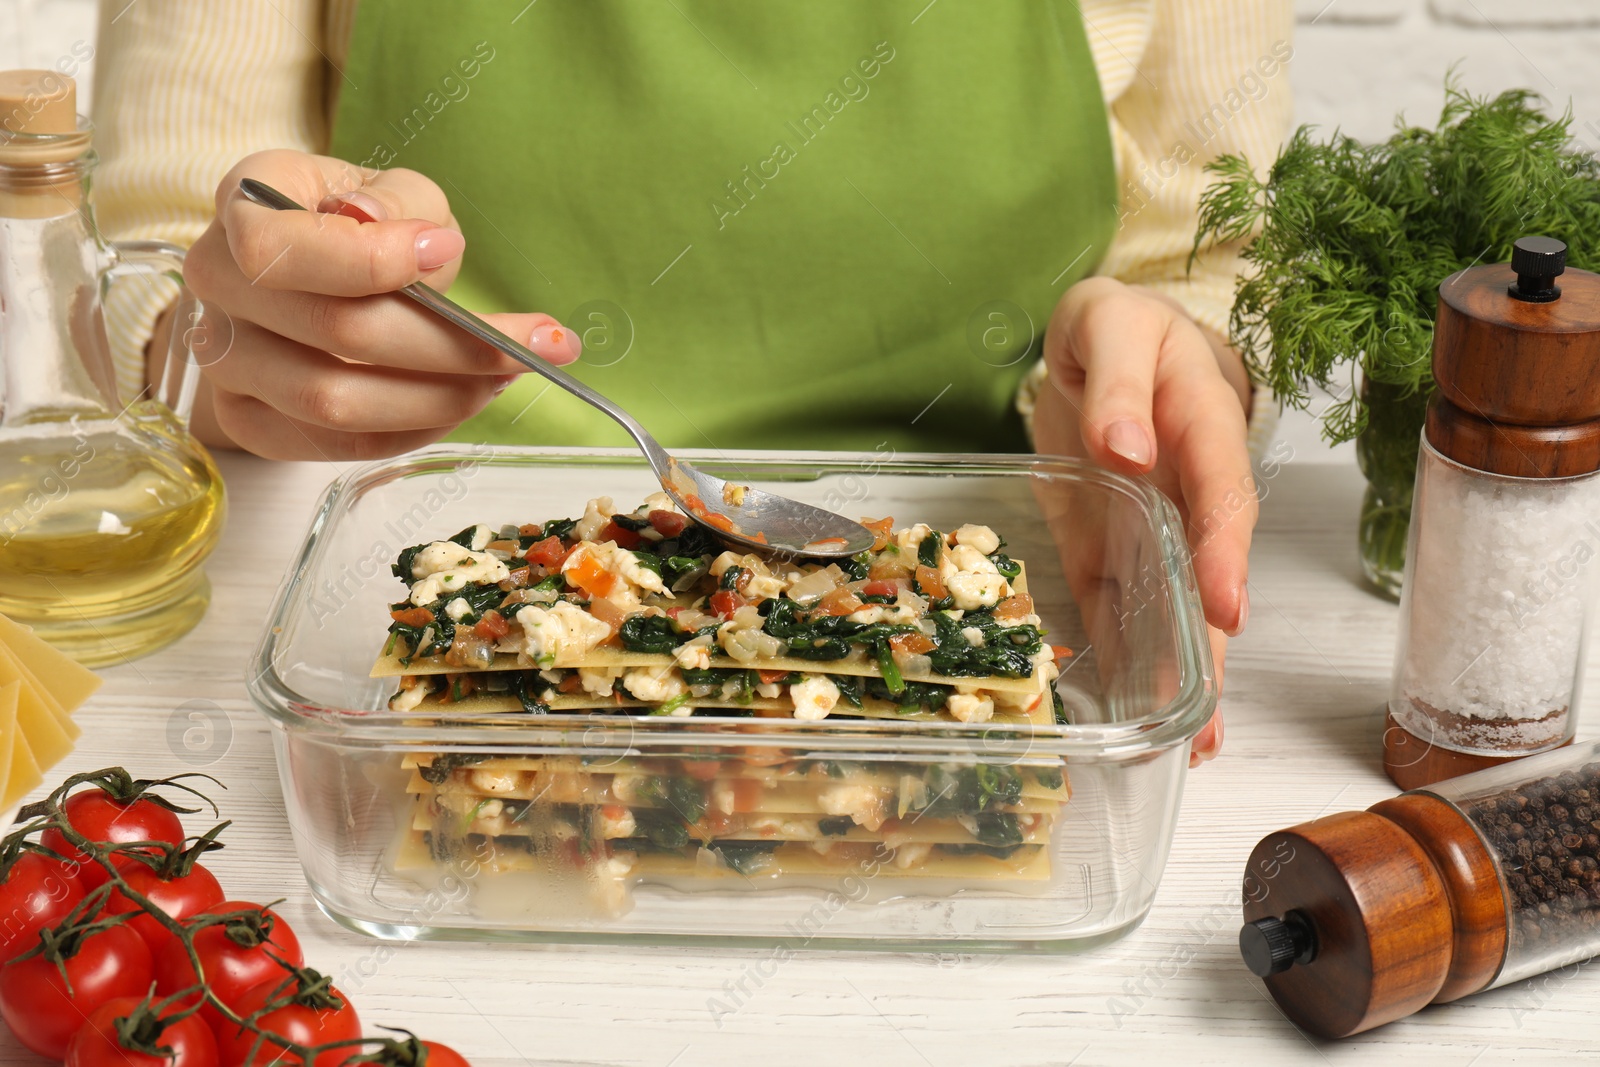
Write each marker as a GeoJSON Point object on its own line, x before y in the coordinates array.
{"type": "Point", "coordinates": [1355, 239]}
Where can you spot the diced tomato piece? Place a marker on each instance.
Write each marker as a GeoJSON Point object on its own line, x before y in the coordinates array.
{"type": "Point", "coordinates": [550, 552]}
{"type": "Point", "coordinates": [930, 583]}
{"type": "Point", "coordinates": [724, 602]}
{"type": "Point", "coordinates": [839, 601]}
{"type": "Point", "coordinates": [519, 578]}
{"type": "Point", "coordinates": [613, 811]}
{"type": "Point", "coordinates": [592, 578]}
{"type": "Point", "coordinates": [911, 644]}
{"type": "Point", "coordinates": [702, 769]}
{"type": "Point", "coordinates": [412, 616]}
{"type": "Point", "coordinates": [1014, 607]}
{"type": "Point", "coordinates": [879, 588]}
{"type": "Point", "coordinates": [530, 530]}
{"type": "Point", "coordinates": [493, 626]}
{"type": "Point", "coordinates": [695, 505]}
{"type": "Point", "coordinates": [624, 537]}
{"type": "Point", "coordinates": [570, 684]}
{"type": "Point", "coordinates": [1061, 652]}
{"type": "Point", "coordinates": [769, 677]}
{"type": "Point", "coordinates": [881, 530]}
{"type": "Point", "coordinates": [668, 523]}
{"type": "Point", "coordinates": [759, 537]}
{"type": "Point", "coordinates": [721, 522]}
{"type": "Point", "coordinates": [746, 794]}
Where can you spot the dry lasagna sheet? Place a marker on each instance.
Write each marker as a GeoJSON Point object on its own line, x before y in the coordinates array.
{"type": "Point", "coordinates": [759, 821]}
{"type": "Point", "coordinates": [644, 612]}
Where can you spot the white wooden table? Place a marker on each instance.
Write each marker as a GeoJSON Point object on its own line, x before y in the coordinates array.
{"type": "Point", "coordinates": [1303, 701]}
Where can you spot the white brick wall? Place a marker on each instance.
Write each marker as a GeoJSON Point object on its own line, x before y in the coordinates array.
{"type": "Point", "coordinates": [1357, 63]}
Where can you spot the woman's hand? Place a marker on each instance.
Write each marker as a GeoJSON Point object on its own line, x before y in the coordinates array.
{"type": "Point", "coordinates": [1138, 387]}
{"type": "Point", "coordinates": [324, 362]}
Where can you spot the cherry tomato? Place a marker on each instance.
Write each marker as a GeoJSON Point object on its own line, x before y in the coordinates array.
{"type": "Point", "coordinates": [443, 1055]}
{"type": "Point", "coordinates": [43, 1015]}
{"type": "Point", "coordinates": [298, 1024]}
{"type": "Point", "coordinates": [39, 892]}
{"type": "Point", "coordinates": [99, 817]}
{"type": "Point", "coordinates": [97, 1045]}
{"type": "Point", "coordinates": [179, 898]}
{"type": "Point", "coordinates": [231, 969]}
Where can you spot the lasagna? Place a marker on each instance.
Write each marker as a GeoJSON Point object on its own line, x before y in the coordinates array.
{"type": "Point", "coordinates": [645, 613]}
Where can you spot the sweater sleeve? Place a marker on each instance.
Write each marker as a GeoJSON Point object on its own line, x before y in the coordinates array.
{"type": "Point", "coordinates": [1185, 81]}
{"type": "Point", "coordinates": [179, 97]}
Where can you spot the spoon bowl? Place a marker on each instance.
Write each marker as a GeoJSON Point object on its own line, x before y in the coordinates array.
{"type": "Point", "coordinates": [742, 515]}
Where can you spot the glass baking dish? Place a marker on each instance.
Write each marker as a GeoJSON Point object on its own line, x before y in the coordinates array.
{"type": "Point", "coordinates": [1097, 792]}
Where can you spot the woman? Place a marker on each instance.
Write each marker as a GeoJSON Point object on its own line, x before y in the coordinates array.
{"type": "Point", "coordinates": [829, 224]}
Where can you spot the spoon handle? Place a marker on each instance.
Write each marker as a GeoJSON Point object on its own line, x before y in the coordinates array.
{"type": "Point", "coordinates": [445, 308]}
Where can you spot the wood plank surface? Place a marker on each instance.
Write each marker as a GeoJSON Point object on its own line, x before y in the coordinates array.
{"type": "Point", "coordinates": [1304, 695]}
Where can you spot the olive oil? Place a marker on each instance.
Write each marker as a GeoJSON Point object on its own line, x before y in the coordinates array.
{"type": "Point", "coordinates": [107, 509]}
{"type": "Point", "coordinates": [103, 535]}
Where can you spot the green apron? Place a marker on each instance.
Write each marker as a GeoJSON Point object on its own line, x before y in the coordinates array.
{"type": "Point", "coordinates": [824, 224]}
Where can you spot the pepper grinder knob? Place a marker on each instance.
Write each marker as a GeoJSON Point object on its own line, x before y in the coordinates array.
{"type": "Point", "coordinates": [1537, 261]}
{"type": "Point", "coordinates": [1272, 945]}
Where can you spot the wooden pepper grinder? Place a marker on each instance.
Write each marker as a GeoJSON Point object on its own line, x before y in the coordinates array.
{"type": "Point", "coordinates": [1362, 918]}
{"type": "Point", "coordinates": [1498, 581]}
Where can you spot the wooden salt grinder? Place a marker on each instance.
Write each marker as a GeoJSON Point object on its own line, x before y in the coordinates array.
{"type": "Point", "coordinates": [1517, 362]}
{"type": "Point", "coordinates": [1364, 917]}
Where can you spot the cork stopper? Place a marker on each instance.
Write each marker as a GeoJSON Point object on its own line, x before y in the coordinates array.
{"type": "Point", "coordinates": [40, 136]}
{"type": "Point", "coordinates": [1517, 361]}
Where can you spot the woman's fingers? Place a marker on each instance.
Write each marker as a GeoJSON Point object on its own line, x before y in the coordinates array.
{"type": "Point", "coordinates": [384, 330]}
{"type": "Point", "coordinates": [335, 254]}
{"type": "Point", "coordinates": [1109, 338]}
{"type": "Point", "coordinates": [257, 427]}
{"type": "Point", "coordinates": [1197, 411]}
{"type": "Point", "coordinates": [1208, 742]}
{"type": "Point", "coordinates": [319, 389]}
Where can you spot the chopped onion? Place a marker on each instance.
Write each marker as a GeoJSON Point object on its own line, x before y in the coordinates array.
{"type": "Point", "coordinates": [815, 585]}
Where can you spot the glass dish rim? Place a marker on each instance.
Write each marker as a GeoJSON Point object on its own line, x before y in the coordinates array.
{"type": "Point", "coordinates": [1178, 721]}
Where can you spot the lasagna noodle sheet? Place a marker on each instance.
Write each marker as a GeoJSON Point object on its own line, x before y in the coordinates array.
{"type": "Point", "coordinates": [1042, 713]}
{"type": "Point", "coordinates": [1028, 863]}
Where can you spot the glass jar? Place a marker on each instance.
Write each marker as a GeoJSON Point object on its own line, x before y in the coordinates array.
{"type": "Point", "coordinates": [1386, 451]}
{"type": "Point", "coordinates": [1360, 918]}
{"type": "Point", "coordinates": [1496, 608]}
{"type": "Point", "coordinates": [108, 506]}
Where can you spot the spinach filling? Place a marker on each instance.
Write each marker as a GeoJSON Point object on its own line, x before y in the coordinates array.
{"type": "Point", "coordinates": [998, 852]}
{"type": "Point", "coordinates": [971, 790]}
{"type": "Point", "coordinates": [439, 770]}
{"type": "Point", "coordinates": [913, 696]}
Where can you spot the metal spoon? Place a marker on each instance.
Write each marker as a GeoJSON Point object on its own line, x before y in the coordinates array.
{"type": "Point", "coordinates": [740, 514]}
